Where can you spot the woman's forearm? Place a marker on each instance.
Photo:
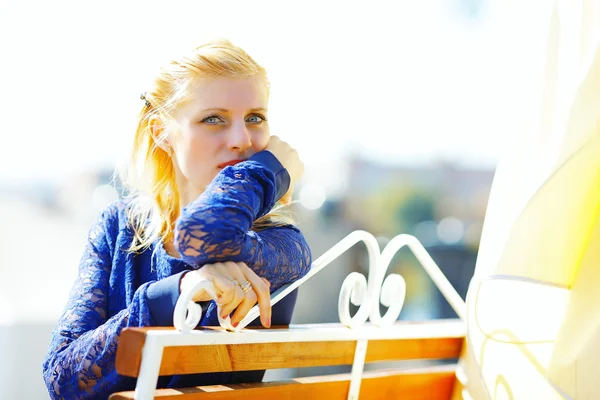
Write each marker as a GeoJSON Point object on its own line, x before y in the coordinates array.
{"type": "Point", "coordinates": [214, 226]}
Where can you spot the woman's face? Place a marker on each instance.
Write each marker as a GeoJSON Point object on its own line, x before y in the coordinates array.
{"type": "Point", "coordinates": [224, 122]}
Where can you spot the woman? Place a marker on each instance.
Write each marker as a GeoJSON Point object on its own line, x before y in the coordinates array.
{"type": "Point", "coordinates": [205, 175]}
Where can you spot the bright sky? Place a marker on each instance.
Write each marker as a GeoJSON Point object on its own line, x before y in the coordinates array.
{"type": "Point", "coordinates": [399, 82]}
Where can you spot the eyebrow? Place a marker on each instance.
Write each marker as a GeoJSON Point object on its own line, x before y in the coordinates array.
{"type": "Point", "coordinates": [225, 110]}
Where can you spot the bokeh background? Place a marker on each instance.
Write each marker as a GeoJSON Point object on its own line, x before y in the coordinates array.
{"type": "Point", "coordinates": [399, 110]}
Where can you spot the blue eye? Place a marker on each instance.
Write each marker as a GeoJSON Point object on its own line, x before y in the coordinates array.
{"type": "Point", "coordinates": [213, 120]}
{"type": "Point", "coordinates": [255, 119]}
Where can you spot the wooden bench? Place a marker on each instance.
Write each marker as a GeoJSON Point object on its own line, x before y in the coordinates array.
{"type": "Point", "coordinates": [216, 350]}
{"type": "Point", "coordinates": [146, 353]}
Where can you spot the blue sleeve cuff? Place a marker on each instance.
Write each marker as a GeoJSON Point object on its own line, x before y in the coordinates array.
{"type": "Point", "coordinates": [162, 297]}
{"type": "Point", "coordinates": [282, 177]}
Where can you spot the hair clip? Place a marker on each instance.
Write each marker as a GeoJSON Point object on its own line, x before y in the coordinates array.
{"type": "Point", "coordinates": [143, 97]}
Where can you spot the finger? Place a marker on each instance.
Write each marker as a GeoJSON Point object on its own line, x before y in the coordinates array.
{"type": "Point", "coordinates": [262, 293]}
{"type": "Point", "coordinates": [238, 297]}
{"type": "Point", "coordinates": [266, 281]}
{"type": "Point", "coordinates": [226, 279]}
{"type": "Point", "coordinates": [232, 269]}
{"type": "Point", "coordinates": [226, 289]}
{"type": "Point", "coordinates": [244, 307]}
{"type": "Point", "coordinates": [228, 276]}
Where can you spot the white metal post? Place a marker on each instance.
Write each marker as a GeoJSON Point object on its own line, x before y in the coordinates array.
{"type": "Point", "coordinates": [149, 368]}
{"type": "Point", "coordinates": [357, 369]}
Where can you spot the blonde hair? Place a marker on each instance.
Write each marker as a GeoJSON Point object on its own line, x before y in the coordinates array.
{"type": "Point", "coordinates": [149, 174]}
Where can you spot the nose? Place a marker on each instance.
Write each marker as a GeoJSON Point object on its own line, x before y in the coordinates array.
{"type": "Point", "coordinates": [239, 138]}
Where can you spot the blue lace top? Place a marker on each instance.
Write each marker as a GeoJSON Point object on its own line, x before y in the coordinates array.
{"type": "Point", "coordinates": [116, 289]}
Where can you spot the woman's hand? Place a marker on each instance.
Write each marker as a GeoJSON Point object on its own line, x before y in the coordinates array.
{"type": "Point", "coordinates": [288, 157]}
{"type": "Point", "coordinates": [229, 278]}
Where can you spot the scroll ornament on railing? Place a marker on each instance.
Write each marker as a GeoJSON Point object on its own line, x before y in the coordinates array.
{"type": "Point", "coordinates": [365, 293]}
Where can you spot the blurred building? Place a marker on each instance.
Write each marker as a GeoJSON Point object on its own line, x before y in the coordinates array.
{"type": "Point", "coordinates": [388, 200]}
{"type": "Point", "coordinates": [443, 205]}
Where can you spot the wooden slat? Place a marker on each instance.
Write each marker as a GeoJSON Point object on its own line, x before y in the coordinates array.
{"type": "Point", "coordinates": [434, 383]}
{"type": "Point", "coordinates": [258, 356]}
{"type": "Point", "coordinates": [246, 357]}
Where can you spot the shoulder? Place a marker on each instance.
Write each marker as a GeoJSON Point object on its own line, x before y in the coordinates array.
{"type": "Point", "coordinates": [114, 216]}
{"type": "Point", "coordinates": [111, 227]}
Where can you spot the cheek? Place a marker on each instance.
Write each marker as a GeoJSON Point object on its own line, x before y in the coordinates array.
{"type": "Point", "coordinates": [198, 157]}
{"type": "Point", "coordinates": [261, 140]}
{"type": "Point", "coordinates": [198, 142]}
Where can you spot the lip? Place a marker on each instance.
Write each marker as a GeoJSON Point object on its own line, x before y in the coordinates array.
{"type": "Point", "coordinates": [228, 163]}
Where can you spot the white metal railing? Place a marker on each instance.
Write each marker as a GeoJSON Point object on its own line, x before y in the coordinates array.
{"type": "Point", "coordinates": [356, 288]}
{"type": "Point", "coordinates": [362, 292]}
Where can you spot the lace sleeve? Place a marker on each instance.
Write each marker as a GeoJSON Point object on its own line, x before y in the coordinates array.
{"type": "Point", "coordinates": [216, 227]}
{"type": "Point", "coordinates": [280, 254]}
{"type": "Point", "coordinates": [80, 363]}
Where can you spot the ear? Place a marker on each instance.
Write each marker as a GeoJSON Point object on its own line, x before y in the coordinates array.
{"type": "Point", "coordinates": [157, 130]}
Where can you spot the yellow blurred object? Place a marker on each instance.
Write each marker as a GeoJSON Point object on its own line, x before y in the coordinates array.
{"type": "Point", "coordinates": [534, 303]}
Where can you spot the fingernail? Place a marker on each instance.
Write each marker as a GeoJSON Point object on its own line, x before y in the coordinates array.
{"type": "Point", "coordinates": [268, 322]}
{"type": "Point", "coordinates": [224, 316]}
{"type": "Point", "coordinates": [235, 324]}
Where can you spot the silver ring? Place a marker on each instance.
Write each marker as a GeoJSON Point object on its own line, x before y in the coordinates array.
{"type": "Point", "coordinates": [246, 287]}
